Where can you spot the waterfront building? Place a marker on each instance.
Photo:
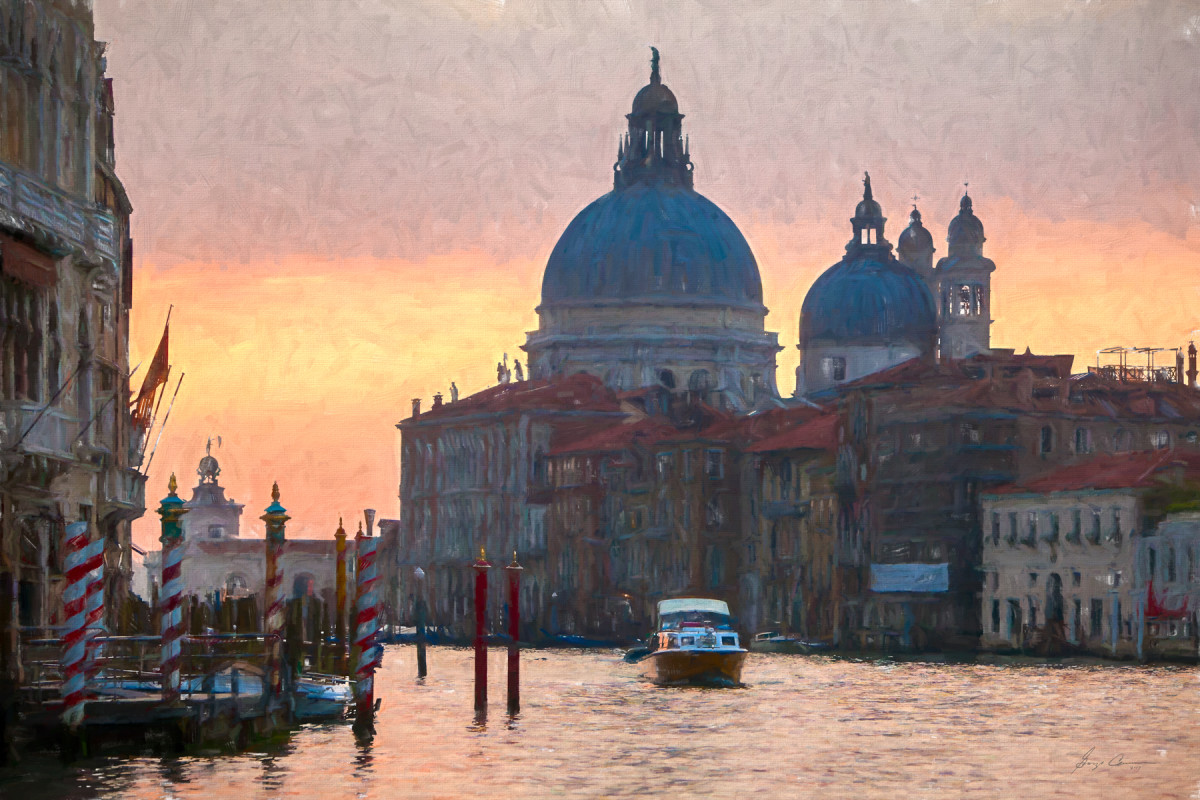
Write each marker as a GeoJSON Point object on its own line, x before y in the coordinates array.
{"type": "Point", "coordinates": [800, 567]}
{"type": "Point", "coordinates": [66, 287]}
{"type": "Point", "coordinates": [1069, 556]}
{"type": "Point", "coordinates": [472, 476]}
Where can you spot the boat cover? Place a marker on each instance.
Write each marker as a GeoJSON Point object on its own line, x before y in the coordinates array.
{"type": "Point", "coordinates": [681, 604]}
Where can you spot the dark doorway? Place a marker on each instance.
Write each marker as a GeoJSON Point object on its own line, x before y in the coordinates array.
{"type": "Point", "coordinates": [1054, 599]}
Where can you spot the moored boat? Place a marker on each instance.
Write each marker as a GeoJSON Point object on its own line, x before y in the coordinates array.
{"type": "Point", "coordinates": [773, 642]}
{"type": "Point", "coordinates": [695, 644]}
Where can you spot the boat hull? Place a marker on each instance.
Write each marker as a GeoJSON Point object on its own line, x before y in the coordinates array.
{"type": "Point", "coordinates": [700, 667]}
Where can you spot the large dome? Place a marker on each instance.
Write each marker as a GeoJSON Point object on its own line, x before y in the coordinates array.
{"type": "Point", "coordinates": [660, 244]}
{"type": "Point", "coordinates": [868, 300]}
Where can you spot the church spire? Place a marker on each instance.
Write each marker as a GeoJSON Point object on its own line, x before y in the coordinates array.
{"type": "Point", "coordinates": [655, 151]}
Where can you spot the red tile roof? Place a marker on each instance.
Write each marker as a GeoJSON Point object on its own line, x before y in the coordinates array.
{"type": "Point", "coordinates": [617, 436]}
{"type": "Point", "coordinates": [574, 393]}
{"type": "Point", "coordinates": [820, 433]}
{"type": "Point", "coordinates": [1116, 471]}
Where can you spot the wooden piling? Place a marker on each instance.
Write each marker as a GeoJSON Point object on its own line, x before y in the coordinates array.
{"type": "Point", "coordinates": [514, 630]}
{"type": "Point", "coordinates": [481, 587]}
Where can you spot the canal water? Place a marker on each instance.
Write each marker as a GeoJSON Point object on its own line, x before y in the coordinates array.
{"type": "Point", "coordinates": [590, 726]}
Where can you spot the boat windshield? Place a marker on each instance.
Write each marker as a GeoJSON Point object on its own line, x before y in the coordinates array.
{"type": "Point", "coordinates": [696, 619]}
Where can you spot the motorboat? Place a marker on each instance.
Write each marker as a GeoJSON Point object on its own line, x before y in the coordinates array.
{"type": "Point", "coordinates": [695, 644]}
{"type": "Point", "coordinates": [322, 697]}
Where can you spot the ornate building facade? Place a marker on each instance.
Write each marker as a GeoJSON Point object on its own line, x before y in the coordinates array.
{"type": "Point", "coordinates": [67, 449]}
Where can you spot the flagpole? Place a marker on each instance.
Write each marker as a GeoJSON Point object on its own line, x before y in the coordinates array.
{"type": "Point", "coordinates": [164, 425]}
{"type": "Point", "coordinates": [154, 416]}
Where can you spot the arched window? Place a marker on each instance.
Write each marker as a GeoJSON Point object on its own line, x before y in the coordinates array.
{"type": "Point", "coordinates": [1161, 440]}
{"type": "Point", "coordinates": [1083, 441]}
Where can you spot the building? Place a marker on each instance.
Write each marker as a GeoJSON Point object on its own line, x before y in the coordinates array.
{"type": "Point", "coordinates": [1071, 557]}
{"type": "Point", "coordinates": [66, 287]}
{"type": "Point", "coordinates": [801, 567]}
{"type": "Point", "coordinates": [473, 475]}
{"type": "Point", "coordinates": [652, 284]}
{"type": "Point", "coordinates": [218, 563]}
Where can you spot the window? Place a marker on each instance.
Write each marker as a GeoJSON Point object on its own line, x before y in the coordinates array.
{"type": "Point", "coordinates": [1076, 578]}
{"type": "Point", "coordinates": [1097, 628]}
{"type": "Point", "coordinates": [1032, 615]}
{"type": "Point", "coordinates": [1047, 441]}
{"type": "Point", "coordinates": [663, 463]}
{"type": "Point", "coordinates": [1094, 533]}
{"type": "Point", "coordinates": [1033, 576]}
{"type": "Point", "coordinates": [1031, 528]}
{"type": "Point", "coordinates": [978, 301]}
{"type": "Point", "coordinates": [1083, 440]}
{"type": "Point", "coordinates": [1160, 440]}
{"type": "Point", "coordinates": [914, 442]}
{"type": "Point", "coordinates": [1077, 628]}
{"type": "Point", "coordinates": [714, 464]}
{"type": "Point", "coordinates": [833, 368]}
{"type": "Point", "coordinates": [969, 433]}
{"type": "Point", "coordinates": [1076, 526]}
{"type": "Point", "coordinates": [1052, 534]}
{"type": "Point", "coordinates": [1115, 536]}
{"type": "Point", "coordinates": [1012, 527]}
{"type": "Point", "coordinates": [729, 641]}
{"type": "Point", "coordinates": [216, 531]}
{"type": "Point", "coordinates": [995, 528]}
{"type": "Point", "coordinates": [713, 514]}
{"type": "Point", "coordinates": [964, 300]}
{"type": "Point", "coordinates": [995, 616]}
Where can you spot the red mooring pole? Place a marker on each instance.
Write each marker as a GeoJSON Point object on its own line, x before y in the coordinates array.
{"type": "Point", "coordinates": [514, 631]}
{"type": "Point", "coordinates": [481, 586]}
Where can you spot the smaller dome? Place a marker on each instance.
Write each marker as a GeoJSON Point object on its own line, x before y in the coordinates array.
{"type": "Point", "coordinates": [965, 234]}
{"type": "Point", "coordinates": [868, 300]}
{"type": "Point", "coordinates": [655, 98]}
{"type": "Point", "coordinates": [915, 239]}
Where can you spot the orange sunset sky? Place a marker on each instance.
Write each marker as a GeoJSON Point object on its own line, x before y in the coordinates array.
{"type": "Point", "coordinates": [350, 204]}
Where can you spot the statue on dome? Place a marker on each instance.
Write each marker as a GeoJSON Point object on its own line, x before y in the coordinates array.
{"type": "Point", "coordinates": [519, 372]}
{"type": "Point", "coordinates": [453, 392]}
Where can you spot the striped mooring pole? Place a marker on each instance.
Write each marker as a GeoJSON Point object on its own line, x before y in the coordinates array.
{"type": "Point", "coordinates": [94, 614]}
{"type": "Point", "coordinates": [275, 518]}
{"type": "Point", "coordinates": [83, 558]}
{"type": "Point", "coordinates": [366, 613]}
{"type": "Point", "coordinates": [170, 597]}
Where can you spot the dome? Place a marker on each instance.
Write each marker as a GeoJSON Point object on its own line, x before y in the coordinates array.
{"type": "Point", "coordinates": [965, 235]}
{"type": "Point", "coordinates": [661, 244]}
{"type": "Point", "coordinates": [915, 238]}
{"type": "Point", "coordinates": [209, 468]}
{"type": "Point", "coordinates": [655, 98]}
{"type": "Point", "coordinates": [868, 300]}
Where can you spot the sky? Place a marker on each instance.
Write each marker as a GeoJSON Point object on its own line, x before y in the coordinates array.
{"type": "Point", "coordinates": [350, 203]}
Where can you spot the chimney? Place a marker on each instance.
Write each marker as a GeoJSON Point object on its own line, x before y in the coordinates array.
{"type": "Point", "coordinates": [416, 406]}
{"type": "Point", "coordinates": [1191, 373]}
{"type": "Point", "coordinates": [1179, 365]}
{"type": "Point", "coordinates": [437, 400]}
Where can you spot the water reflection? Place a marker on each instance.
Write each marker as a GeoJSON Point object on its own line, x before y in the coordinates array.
{"type": "Point", "coordinates": [590, 726]}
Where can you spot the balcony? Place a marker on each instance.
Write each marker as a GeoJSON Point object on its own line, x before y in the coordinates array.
{"type": "Point", "coordinates": [124, 493]}
{"type": "Point", "coordinates": [50, 435]}
{"type": "Point", "coordinates": [42, 211]}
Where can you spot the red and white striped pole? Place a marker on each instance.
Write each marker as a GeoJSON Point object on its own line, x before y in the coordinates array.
{"type": "Point", "coordinates": [82, 559]}
{"type": "Point", "coordinates": [275, 518]}
{"type": "Point", "coordinates": [366, 619]}
{"type": "Point", "coordinates": [171, 595]}
{"type": "Point", "coordinates": [94, 614]}
{"type": "Point", "coordinates": [366, 613]}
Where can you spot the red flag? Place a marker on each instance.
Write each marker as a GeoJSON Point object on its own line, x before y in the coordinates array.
{"type": "Point", "coordinates": [156, 376]}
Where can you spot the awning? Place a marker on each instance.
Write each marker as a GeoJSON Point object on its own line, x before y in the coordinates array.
{"type": "Point", "coordinates": [27, 264]}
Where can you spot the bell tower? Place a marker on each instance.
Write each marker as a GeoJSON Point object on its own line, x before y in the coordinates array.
{"type": "Point", "coordinates": [964, 283]}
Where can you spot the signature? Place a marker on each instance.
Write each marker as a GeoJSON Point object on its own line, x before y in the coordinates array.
{"type": "Point", "coordinates": [1092, 763]}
